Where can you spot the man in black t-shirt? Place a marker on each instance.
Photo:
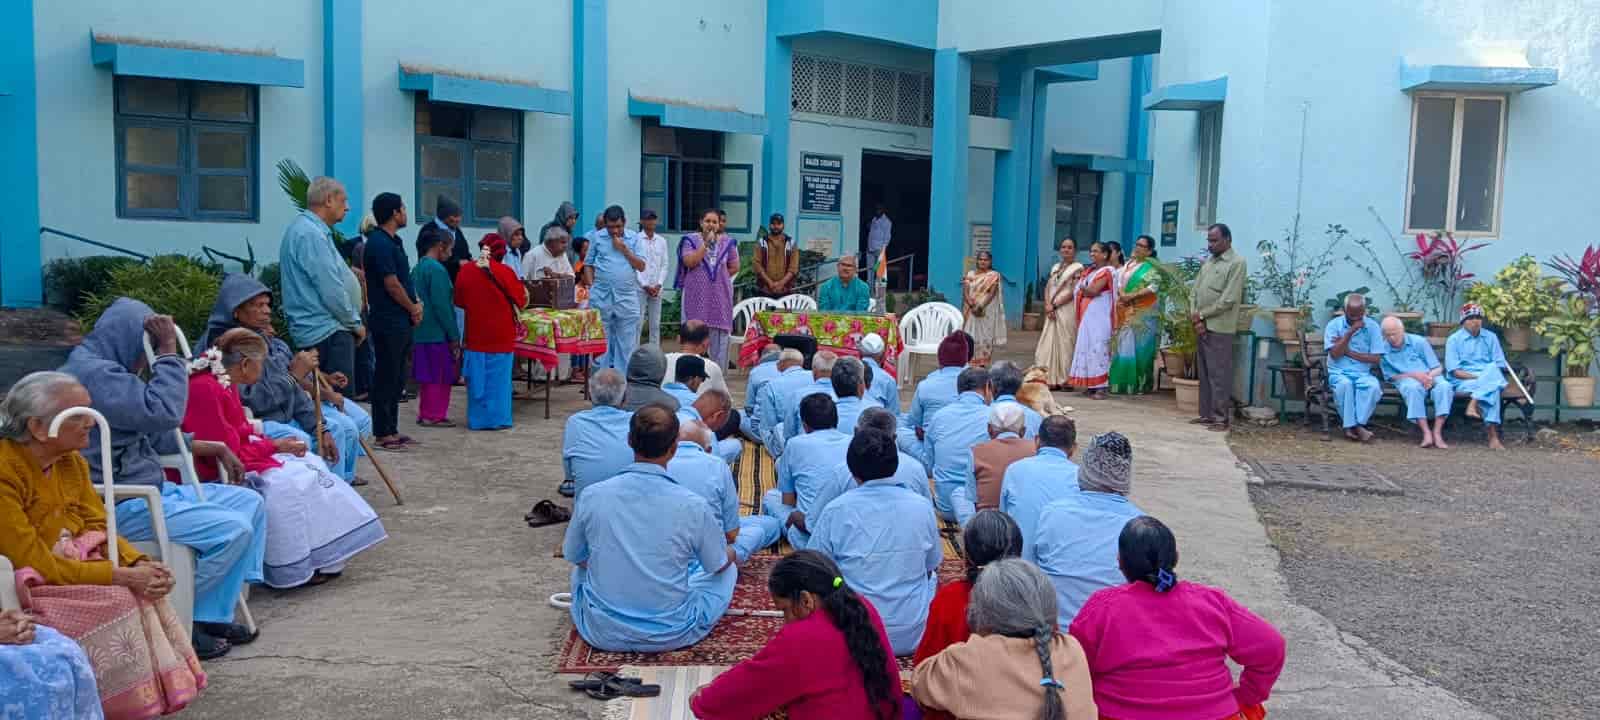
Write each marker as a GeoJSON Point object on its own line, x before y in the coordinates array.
{"type": "Point", "coordinates": [394, 310]}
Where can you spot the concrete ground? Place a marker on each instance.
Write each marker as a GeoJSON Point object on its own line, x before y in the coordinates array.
{"type": "Point", "coordinates": [448, 619]}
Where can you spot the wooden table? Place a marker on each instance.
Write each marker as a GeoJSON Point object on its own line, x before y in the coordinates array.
{"type": "Point", "coordinates": [838, 332]}
{"type": "Point", "coordinates": [553, 333]}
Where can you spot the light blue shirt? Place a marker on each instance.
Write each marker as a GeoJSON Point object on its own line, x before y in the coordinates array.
{"type": "Point", "coordinates": [884, 388]}
{"type": "Point", "coordinates": [759, 376]}
{"type": "Point", "coordinates": [850, 410]}
{"type": "Point", "coordinates": [595, 445]}
{"type": "Point", "coordinates": [710, 477]}
{"type": "Point", "coordinates": [964, 501]}
{"type": "Point", "coordinates": [806, 469]}
{"type": "Point", "coordinates": [681, 392]}
{"type": "Point", "coordinates": [885, 540]}
{"type": "Point", "coordinates": [1415, 354]}
{"type": "Point", "coordinates": [950, 437]}
{"type": "Point", "coordinates": [1032, 483]}
{"type": "Point", "coordinates": [935, 391]}
{"type": "Point", "coordinates": [1369, 339]}
{"type": "Point", "coordinates": [1465, 351]}
{"type": "Point", "coordinates": [616, 284]}
{"type": "Point", "coordinates": [908, 474]}
{"type": "Point", "coordinates": [642, 537]}
{"type": "Point", "coordinates": [319, 289]}
{"type": "Point", "coordinates": [774, 401]}
{"type": "Point", "coordinates": [1030, 417]}
{"type": "Point", "coordinates": [791, 406]}
{"type": "Point", "coordinates": [1075, 544]}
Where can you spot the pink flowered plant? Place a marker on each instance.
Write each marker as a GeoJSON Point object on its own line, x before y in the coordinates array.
{"type": "Point", "coordinates": [1443, 262]}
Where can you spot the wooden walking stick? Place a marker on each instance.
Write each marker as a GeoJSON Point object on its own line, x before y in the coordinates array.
{"type": "Point", "coordinates": [316, 390]}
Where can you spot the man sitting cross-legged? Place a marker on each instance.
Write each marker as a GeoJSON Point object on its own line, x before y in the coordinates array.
{"type": "Point", "coordinates": [697, 469]}
{"type": "Point", "coordinates": [821, 384]}
{"type": "Point", "coordinates": [1075, 543]}
{"type": "Point", "coordinates": [755, 384]}
{"type": "Point", "coordinates": [951, 436]}
{"type": "Point", "coordinates": [806, 469]}
{"type": "Point", "coordinates": [694, 340]}
{"type": "Point", "coordinates": [593, 446]}
{"type": "Point", "coordinates": [1031, 483]}
{"type": "Point", "coordinates": [772, 395]}
{"type": "Point", "coordinates": [711, 408]}
{"type": "Point", "coordinates": [885, 540]}
{"type": "Point", "coordinates": [933, 392]}
{"type": "Point", "coordinates": [1477, 366]}
{"type": "Point", "coordinates": [1006, 377]}
{"type": "Point", "coordinates": [991, 459]}
{"type": "Point", "coordinates": [850, 383]}
{"type": "Point", "coordinates": [1354, 347]}
{"type": "Point", "coordinates": [653, 570]}
{"type": "Point", "coordinates": [1411, 364]}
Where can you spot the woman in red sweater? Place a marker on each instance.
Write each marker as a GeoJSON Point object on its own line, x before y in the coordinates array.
{"type": "Point", "coordinates": [831, 660]}
{"type": "Point", "coordinates": [989, 536]}
{"type": "Point", "coordinates": [491, 295]}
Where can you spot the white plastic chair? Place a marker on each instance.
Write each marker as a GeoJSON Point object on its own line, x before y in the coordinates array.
{"type": "Point", "coordinates": [921, 330]}
{"type": "Point", "coordinates": [743, 313]}
{"type": "Point", "coordinates": [8, 589]}
{"type": "Point", "coordinates": [797, 301]}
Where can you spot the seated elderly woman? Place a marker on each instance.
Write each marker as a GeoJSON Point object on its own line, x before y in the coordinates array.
{"type": "Point", "coordinates": [1184, 671]}
{"type": "Point", "coordinates": [990, 536]}
{"type": "Point", "coordinates": [1018, 663]}
{"type": "Point", "coordinates": [47, 675]}
{"type": "Point", "coordinates": [53, 528]}
{"type": "Point", "coordinates": [314, 523]}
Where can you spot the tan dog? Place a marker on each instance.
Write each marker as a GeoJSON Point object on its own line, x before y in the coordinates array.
{"type": "Point", "coordinates": [1035, 393]}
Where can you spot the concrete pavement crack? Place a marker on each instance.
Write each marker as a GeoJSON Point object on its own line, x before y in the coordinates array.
{"type": "Point", "coordinates": [523, 697]}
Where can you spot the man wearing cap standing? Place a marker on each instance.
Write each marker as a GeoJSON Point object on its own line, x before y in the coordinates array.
{"type": "Point", "coordinates": [654, 274]}
{"type": "Point", "coordinates": [777, 260]}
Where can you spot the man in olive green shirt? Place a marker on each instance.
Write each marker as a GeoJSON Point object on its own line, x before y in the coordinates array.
{"type": "Point", "coordinates": [1218, 292]}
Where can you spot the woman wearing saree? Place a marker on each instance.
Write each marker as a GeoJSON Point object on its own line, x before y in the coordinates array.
{"type": "Point", "coordinates": [53, 528]}
{"type": "Point", "coordinates": [984, 307]}
{"type": "Point", "coordinates": [1091, 356]}
{"type": "Point", "coordinates": [1136, 325]}
{"type": "Point", "coordinates": [314, 524]}
{"type": "Point", "coordinates": [1060, 333]}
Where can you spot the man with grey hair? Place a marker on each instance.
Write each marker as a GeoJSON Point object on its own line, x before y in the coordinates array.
{"type": "Point", "coordinates": [549, 259]}
{"type": "Point", "coordinates": [321, 295]}
{"type": "Point", "coordinates": [1075, 540]}
{"type": "Point", "coordinates": [764, 372]}
{"type": "Point", "coordinates": [774, 396]}
{"type": "Point", "coordinates": [909, 473]}
{"type": "Point", "coordinates": [594, 446]}
{"type": "Point", "coordinates": [1354, 347]}
{"type": "Point", "coordinates": [821, 382]}
{"type": "Point", "coordinates": [990, 460]}
{"type": "Point", "coordinates": [1006, 377]}
{"type": "Point", "coordinates": [695, 468]}
{"type": "Point", "coordinates": [712, 408]}
{"type": "Point", "coordinates": [1032, 483]}
{"type": "Point", "coordinates": [849, 389]}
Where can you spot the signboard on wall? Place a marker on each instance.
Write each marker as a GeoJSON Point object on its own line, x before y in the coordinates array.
{"type": "Point", "coordinates": [820, 193]}
{"type": "Point", "coordinates": [1169, 223]}
{"type": "Point", "coordinates": [981, 237]}
{"type": "Point", "coordinates": [814, 163]}
{"type": "Point", "coordinates": [820, 234]}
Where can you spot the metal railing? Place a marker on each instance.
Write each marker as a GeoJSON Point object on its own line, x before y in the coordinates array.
{"type": "Point", "coordinates": [96, 243]}
{"type": "Point", "coordinates": [815, 280]}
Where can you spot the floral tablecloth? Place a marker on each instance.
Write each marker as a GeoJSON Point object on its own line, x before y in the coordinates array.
{"type": "Point", "coordinates": [838, 332]}
{"type": "Point", "coordinates": [553, 333]}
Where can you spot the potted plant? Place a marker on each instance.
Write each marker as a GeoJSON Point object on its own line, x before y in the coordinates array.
{"type": "Point", "coordinates": [1582, 275]}
{"type": "Point", "coordinates": [1290, 271]}
{"type": "Point", "coordinates": [1573, 331]}
{"type": "Point", "coordinates": [1175, 285]}
{"type": "Point", "coordinates": [1519, 297]}
{"type": "Point", "coordinates": [1406, 286]}
{"type": "Point", "coordinates": [1442, 263]}
{"type": "Point", "coordinates": [1335, 304]}
{"type": "Point", "coordinates": [1249, 308]}
{"type": "Point", "coordinates": [1032, 318]}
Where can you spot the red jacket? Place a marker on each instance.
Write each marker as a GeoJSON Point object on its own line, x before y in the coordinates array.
{"type": "Point", "coordinates": [491, 325]}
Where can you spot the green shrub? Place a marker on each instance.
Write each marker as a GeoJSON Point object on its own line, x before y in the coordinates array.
{"type": "Point", "coordinates": [180, 286]}
{"type": "Point", "coordinates": [67, 281]}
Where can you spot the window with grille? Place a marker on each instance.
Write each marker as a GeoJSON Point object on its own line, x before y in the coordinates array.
{"type": "Point", "coordinates": [472, 155]}
{"type": "Point", "coordinates": [985, 99]}
{"type": "Point", "coordinates": [1210, 162]}
{"type": "Point", "coordinates": [185, 150]}
{"type": "Point", "coordinates": [845, 89]}
{"type": "Point", "coordinates": [1077, 211]}
{"type": "Point", "coordinates": [1457, 151]}
{"type": "Point", "coordinates": [682, 175]}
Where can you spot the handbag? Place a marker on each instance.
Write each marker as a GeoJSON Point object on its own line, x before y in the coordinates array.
{"type": "Point", "coordinates": [520, 330]}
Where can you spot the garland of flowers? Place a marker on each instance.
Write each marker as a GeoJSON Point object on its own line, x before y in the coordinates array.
{"type": "Point", "coordinates": [211, 360]}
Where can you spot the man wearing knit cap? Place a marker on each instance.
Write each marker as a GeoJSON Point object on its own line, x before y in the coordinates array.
{"type": "Point", "coordinates": [1075, 543]}
{"type": "Point", "coordinates": [1032, 483]}
{"type": "Point", "coordinates": [990, 460]}
{"type": "Point", "coordinates": [447, 222]}
{"type": "Point", "coordinates": [884, 389]}
{"type": "Point", "coordinates": [934, 392]}
{"type": "Point", "coordinates": [1474, 361]}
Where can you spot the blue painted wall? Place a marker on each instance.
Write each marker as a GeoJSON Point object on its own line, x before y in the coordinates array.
{"type": "Point", "coordinates": [952, 103]}
{"type": "Point", "coordinates": [590, 77]}
{"type": "Point", "coordinates": [19, 159]}
{"type": "Point", "coordinates": [343, 117]}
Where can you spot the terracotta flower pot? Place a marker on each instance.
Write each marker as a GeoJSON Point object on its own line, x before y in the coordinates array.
{"type": "Point", "coordinates": [1440, 330]}
{"type": "Point", "coordinates": [1294, 383]}
{"type": "Point", "coordinates": [1287, 323]}
{"type": "Point", "coordinates": [1176, 363]}
{"type": "Point", "coordinates": [1578, 392]}
{"type": "Point", "coordinates": [1033, 321]}
{"type": "Point", "coordinates": [1518, 338]}
{"type": "Point", "coordinates": [1188, 394]}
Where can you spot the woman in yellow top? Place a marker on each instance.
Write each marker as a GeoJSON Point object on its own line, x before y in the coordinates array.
{"type": "Point", "coordinates": [53, 529]}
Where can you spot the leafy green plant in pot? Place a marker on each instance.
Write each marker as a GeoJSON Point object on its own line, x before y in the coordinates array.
{"type": "Point", "coordinates": [1573, 332]}
{"type": "Point", "coordinates": [1519, 296]}
{"type": "Point", "coordinates": [1335, 304]}
{"type": "Point", "coordinates": [1174, 282]}
{"type": "Point", "coordinates": [1290, 270]}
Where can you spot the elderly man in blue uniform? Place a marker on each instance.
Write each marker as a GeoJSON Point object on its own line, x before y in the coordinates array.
{"type": "Point", "coordinates": [689, 374]}
{"type": "Point", "coordinates": [711, 408]}
{"type": "Point", "coordinates": [764, 372]}
{"type": "Point", "coordinates": [1075, 540]}
{"type": "Point", "coordinates": [884, 388]}
{"type": "Point", "coordinates": [909, 473]}
{"type": "Point", "coordinates": [694, 467]}
{"type": "Point", "coordinates": [806, 470]}
{"type": "Point", "coordinates": [616, 256]}
{"type": "Point", "coordinates": [884, 539]}
{"type": "Point", "coordinates": [593, 447]}
{"type": "Point", "coordinates": [1354, 346]}
{"type": "Point", "coordinates": [1006, 377]}
{"type": "Point", "coordinates": [957, 428]}
{"type": "Point", "coordinates": [934, 392]}
{"type": "Point", "coordinates": [821, 384]}
{"type": "Point", "coordinates": [850, 381]}
{"type": "Point", "coordinates": [1476, 363]}
{"type": "Point", "coordinates": [652, 569]}
{"type": "Point", "coordinates": [990, 459]}
{"type": "Point", "coordinates": [774, 397]}
{"type": "Point", "coordinates": [1032, 483]}
{"type": "Point", "coordinates": [1410, 363]}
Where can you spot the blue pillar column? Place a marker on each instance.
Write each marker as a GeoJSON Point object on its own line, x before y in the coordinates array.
{"type": "Point", "coordinates": [775, 146]}
{"type": "Point", "coordinates": [589, 108]}
{"type": "Point", "coordinates": [1136, 188]}
{"type": "Point", "coordinates": [947, 215]}
{"type": "Point", "coordinates": [1040, 157]}
{"type": "Point", "coordinates": [342, 105]}
{"type": "Point", "coordinates": [21, 282]}
{"type": "Point", "coordinates": [1013, 171]}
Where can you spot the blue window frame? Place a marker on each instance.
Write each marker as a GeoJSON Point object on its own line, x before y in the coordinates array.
{"type": "Point", "coordinates": [681, 174]}
{"type": "Point", "coordinates": [733, 195]}
{"type": "Point", "coordinates": [186, 150]}
{"type": "Point", "coordinates": [472, 155]}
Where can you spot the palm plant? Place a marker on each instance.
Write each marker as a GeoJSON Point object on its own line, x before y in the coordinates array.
{"type": "Point", "coordinates": [295, 183]}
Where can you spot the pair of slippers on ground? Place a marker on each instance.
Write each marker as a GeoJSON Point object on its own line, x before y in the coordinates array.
{"type": "Point", "coordinates": [398, 443]}
{"type": "Point", "coordinates": [610, 686]}
{"type": "Point", "coordinates": [545, 513]}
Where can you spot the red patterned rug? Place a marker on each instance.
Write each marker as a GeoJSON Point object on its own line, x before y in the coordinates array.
{"type": "Point", "coordinates": [734, 639]}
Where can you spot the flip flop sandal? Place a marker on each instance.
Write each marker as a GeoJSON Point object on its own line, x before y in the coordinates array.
{"type": "Point", "coordinates": [359, 481]}
{"type": "Point", "coordinates": [561, 601]}
{"type": "Point", "coordinates": [317, 579]}
{"type": "Point", "coordinates": [408, 440]}
{"type": "Point", "coordinates": [618, 687]}
{"type": "Point", "coordinates": [209, 647]}
{"type": "Point", "coordinates": [394, 445]}
{"type": "Point", "coordinates": [547, 513]}
{"type": "Point", "coordinates": [1202, 421]}
{"type": "Point", "coordinates": [234, 633]}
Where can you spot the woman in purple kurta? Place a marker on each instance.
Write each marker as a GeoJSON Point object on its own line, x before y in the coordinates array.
{"type": "Point", "coordinates": [705, 278]}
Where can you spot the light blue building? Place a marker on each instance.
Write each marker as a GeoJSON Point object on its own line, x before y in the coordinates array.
{"type": "Point", "coordinates": [155, 126]}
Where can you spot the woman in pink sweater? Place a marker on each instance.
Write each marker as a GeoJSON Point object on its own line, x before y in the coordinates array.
{"type": "Point", "coordinates": [831, 660]}
{"type": "Point", "coordinates": [1158, 648]}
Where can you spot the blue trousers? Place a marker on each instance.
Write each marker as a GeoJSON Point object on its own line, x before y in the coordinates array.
{"type": "Point", "coordinates": [348, 425]}
{"type": "Point", "coordinates": [729, 449]}
{"type": "Point", "coordinates": [603, 622]}
{"type": "Point", "coordinates": [1485, 388]}
{"type": "Point", "coordinates": [1416, 397]}
{"type": "Point", "coordinates": [488, 389]}
{"type": "Point", "coordinates": [773, 506]}
{"type": "Point", "coordinates": [228, 533]}
{"type": "Point", "coordinates": [622, 336]}
{"type": "Point", "coordinates": [906, 438]}
{"type": "Point", "coordinates": [755, 533]}
{"type": "Point", "coordinates": [1356, 397]}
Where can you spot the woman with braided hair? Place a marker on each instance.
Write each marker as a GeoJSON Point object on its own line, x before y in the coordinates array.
{"type": "Point", "coordinates": [1017, 664]}
{"type": "Point", "coordinates": [989, 536]}
{"type": "Point", "coordinates": [831, 659]}
{"type": "Point", "coordinates": [1182, 671]}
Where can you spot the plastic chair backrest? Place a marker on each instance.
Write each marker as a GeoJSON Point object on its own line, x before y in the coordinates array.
{"type": "Point", "coordinates": [186, 467]}
{"type": "Point", "coordinates": [108, 483]}
{"type": "Point", "coordinates": [746, 311]}
{"type": "Point", "coordinates": [796, 301]}
{"type": "Point", "coordinates": [929, 323]}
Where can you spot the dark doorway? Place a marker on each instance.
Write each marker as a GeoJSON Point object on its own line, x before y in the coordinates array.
{"type": "Point", "coordinates": [902, 184]}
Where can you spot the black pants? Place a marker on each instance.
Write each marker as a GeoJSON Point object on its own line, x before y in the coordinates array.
{"type": "Point", "coordinates": [337, 354]}
{"type": "Point", "coordinates": [361, 381]}
{"type": "Point", "coordinates": [1216, 376]}
{"type": "Point", "coordinates": [390, 346]}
